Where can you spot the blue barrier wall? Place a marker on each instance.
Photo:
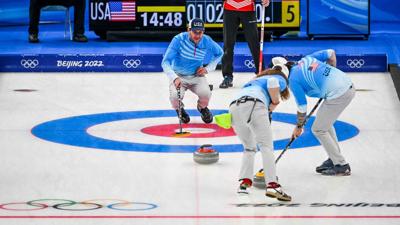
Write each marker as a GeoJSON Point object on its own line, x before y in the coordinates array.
{"type": "Point", "coordinates": [152, 63]}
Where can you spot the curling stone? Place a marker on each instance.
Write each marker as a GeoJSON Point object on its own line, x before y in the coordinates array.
{"type": "Point", "coordinates": [205, 155]}
{"type": "Point", "coordinates": [259, 180]}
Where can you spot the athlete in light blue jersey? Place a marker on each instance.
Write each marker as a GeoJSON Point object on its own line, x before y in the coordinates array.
{"type": "Point", "coordinates": [183, 63]}
{"type": "Point", "coordinates": [251, 123]}
{"type": "Point", "coordinates": [316, 76]}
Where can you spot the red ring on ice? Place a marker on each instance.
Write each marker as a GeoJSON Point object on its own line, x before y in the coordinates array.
{"type": "Point", "coordinates": [167, 130]}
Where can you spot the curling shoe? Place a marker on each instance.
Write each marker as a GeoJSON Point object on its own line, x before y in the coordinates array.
{"type": "Point", "coordinates": [274, 190]}
{"type": "Point", "coordinates": [327, 164]}
{"type": "Point", "coordinates": [244, 186]}
{"type": "Point", "coordinates": [226, 83]}
{"type": "Point", "coordinates": [185, 116]}
{"type": "Point", "coordinates": [206, 115]}
{"type": "Point", "coordinates": [338, 170]}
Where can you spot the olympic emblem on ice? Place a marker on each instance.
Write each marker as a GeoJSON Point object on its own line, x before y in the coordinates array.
{"type": "Point", "coordinates": [355, 63]}
{"type": "Point", "coordinates": [249, 63]}
{"type": "Point", "coordinates": [151, 131]}
{"type": "Point", "coordinates": [29, 63]}
{"type": "Point", "coordinates": [70, 205]}
{"type": "Point", "coordinates": [132, 63]}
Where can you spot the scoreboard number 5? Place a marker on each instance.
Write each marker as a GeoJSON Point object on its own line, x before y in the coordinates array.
{"type": "Point", "coordinates": [290, 15]}
{"type": "Point", "coordinates": [290, 12]}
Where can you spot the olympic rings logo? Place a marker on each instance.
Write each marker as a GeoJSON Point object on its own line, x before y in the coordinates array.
{"type": "Point", "coordinates": [29, 63]}
{"type": "Point", "coordinates": [355, 63]}
{"type": "Point", "coordinates": [249, 63]}
{"type": "Point", "coordinates": [132, 63]}
{"type": "Point", "coordinates": [70, 205]}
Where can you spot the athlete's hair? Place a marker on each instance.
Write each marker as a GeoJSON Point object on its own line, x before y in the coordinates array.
{"type": "Point", "coordinates": [290, 64]}
{"type": "Point", "coordinates": [285, 94]}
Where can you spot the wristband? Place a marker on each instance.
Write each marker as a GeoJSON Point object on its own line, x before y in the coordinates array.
{"type": "Point", "coordinates": [274, 103]}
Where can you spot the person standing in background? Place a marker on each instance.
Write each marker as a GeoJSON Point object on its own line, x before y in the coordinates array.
{"type": "Point", "coordinates": [238, 12]}
{"type": "Point", "coordinates": [79, 17]}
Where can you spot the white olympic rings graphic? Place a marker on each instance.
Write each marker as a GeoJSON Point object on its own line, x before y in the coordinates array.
{"type": "Point", "coordinates": [355, 63]}
{"type": "Point", "coordinates": [132, 63]}
{"type": "Point", "coordinates": [29, 63]}
{"type": "Point", "coordinates": [249, 63]}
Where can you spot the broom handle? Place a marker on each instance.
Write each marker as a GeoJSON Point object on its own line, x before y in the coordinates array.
{"type": "Point", "coordinates": [260, 58]}
{"type": "Point", "coordinates": [303, 124]}
{"type": "Point", "coordinates": [179, 108]}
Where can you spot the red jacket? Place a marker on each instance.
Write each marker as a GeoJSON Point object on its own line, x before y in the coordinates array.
{"type": "Point", "coordinates": [239, 5]}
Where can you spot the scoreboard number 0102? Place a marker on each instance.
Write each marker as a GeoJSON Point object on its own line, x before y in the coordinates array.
{"type": "Point", "coordinates": [278, 14]}
{"type": "Point", "coordinates": [210, 12]}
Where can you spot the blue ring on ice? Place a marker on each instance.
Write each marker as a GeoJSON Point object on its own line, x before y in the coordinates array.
{"type": "Point", "coordinates": [73, 131]}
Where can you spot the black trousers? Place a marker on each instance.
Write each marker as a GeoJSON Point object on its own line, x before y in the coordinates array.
{"type": "Point", "coordinates": [232, 20]}
{"type": "Point", "coordinates": [37, 5]}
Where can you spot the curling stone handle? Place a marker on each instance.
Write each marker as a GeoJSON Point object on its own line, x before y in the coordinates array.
{"type": "Point", "coordinates": [206, 146]}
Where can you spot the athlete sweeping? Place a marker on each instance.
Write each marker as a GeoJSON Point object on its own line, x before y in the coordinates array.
{"type": "Point", "coordinates": [316, 76]}
{"type": "Point", "coordinates": [250, 120]}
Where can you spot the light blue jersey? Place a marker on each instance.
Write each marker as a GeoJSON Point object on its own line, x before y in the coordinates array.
{"type": "Point", "coordinates": [183, 57]}
{"type": "Point", "coordinates": [258, 88]}
{"type": "Point", "coordinates": [314, 78]}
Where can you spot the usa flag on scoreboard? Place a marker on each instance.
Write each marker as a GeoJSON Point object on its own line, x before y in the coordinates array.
{"type": "Point", "coordinates": [123, 11]}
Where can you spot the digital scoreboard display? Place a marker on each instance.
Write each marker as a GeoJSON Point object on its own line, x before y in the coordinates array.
{"type": "Point", "coordinates": [136, 15]}
{"type": "Point", "coordinates": [173, 16]}
{"type": "Point", "coordinates": [278, 14]}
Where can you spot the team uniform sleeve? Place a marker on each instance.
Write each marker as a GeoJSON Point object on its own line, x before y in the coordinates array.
{"type": "Point", "coordinates": [272, 83]}
{"type": "Point", "coordinates": [323, 55]}
{"type": "Point", "coordinates": [169, 56]}
{"type": "Point", "coordinates": [299, 96]}
{"type": "Point", "coordinates": [217, 53]}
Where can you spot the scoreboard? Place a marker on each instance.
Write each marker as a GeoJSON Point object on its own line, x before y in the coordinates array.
{"type": "Point", "coordinates": [280, 14]}
{"type": "Point", "coordinates": [172, 16]}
